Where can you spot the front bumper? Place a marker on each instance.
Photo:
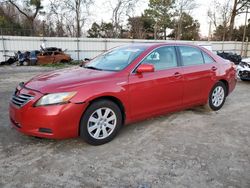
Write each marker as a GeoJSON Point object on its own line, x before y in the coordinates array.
{"type": "Point", "coordinates": [54, 121]}
{"type": "Point", "coordinates": [244, 75]}
{"type": "Point", "coordinates": [243, 71]}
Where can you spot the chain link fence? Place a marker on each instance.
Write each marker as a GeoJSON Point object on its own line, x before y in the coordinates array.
{"type": "Point", "coordinates": [16, 32]}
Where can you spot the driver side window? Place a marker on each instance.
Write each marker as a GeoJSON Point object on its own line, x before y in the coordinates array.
{"type": "Point", "coordinates": [162, 58]}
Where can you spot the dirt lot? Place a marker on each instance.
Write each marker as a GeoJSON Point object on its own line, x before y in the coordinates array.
{"type": "Point", "coordinates": [192, 148]}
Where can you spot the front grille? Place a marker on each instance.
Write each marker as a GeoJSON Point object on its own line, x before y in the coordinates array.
{"type": "Point", "coordinates": [45, 130]}
{"type": "Point", "coordinates": [244, 74]}
{"type": "Point", "coordinates": [21, 99]}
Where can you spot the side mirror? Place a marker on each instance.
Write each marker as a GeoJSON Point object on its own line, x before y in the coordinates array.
{"type": "Point", "coordinates": [87, 59]}
{"type": "Point", "coordinates": [145, 68]}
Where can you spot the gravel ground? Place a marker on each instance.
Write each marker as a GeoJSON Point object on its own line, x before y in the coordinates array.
{"type": "Point", "coordinates": [191, 148]}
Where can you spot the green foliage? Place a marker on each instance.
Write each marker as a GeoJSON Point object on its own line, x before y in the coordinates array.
{"type": "Point", "coordinates": [62, 65]}
{"type": "Point", "coordinates": [94, 31]}
{"type": "Point", "coordinates": [160, 10]}
{"type": "Point", "coordinates": [104, 30]}
{"type": "Point", "coordinates": [35, 3]}
{"type": "Point", "coordinates": [141, 27]}
{"type": "Point", "coordinates": [238, 32]}
{"type": "Point", "coordinates": [107, 30]}
{"type": "Point", "coordinates": [4, 23]}
{"type": "Point", "coordinates": [189, 27]}
{"type": "Point", "coordinates": [8, 21]}
{"type": "Point", "coordinates": [221, 33]}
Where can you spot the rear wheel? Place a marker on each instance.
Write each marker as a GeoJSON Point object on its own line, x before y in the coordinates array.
{"type": "Point", "coordinates": [64, 61]}
{"type": "Point", "coordinates": [217, 96]}
{"type": "Point", "coordinates": [100, 122]}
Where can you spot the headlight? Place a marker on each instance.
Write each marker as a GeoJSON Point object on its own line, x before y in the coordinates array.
{"type": "Point", "coordinates": [55, 98]}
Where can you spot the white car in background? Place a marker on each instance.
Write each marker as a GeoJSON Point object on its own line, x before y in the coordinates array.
{"type": "Point", "coordinates": [243, 69]}
{"type": "Point", "coordinates": [207, 46]}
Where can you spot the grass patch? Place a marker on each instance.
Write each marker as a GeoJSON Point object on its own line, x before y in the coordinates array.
{"type": "Point", "coordinates": [62, 65]}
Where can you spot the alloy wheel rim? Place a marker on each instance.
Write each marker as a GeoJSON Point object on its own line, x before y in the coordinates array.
{"type": "Point", "coordinates": [102, 123]}
{"type": "Point", "coordinates": [218, 96]}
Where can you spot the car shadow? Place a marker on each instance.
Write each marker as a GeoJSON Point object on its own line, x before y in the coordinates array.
{"type": "Point", "coordinates": [19, 139]}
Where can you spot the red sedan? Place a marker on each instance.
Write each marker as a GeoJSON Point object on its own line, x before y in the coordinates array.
{"type": "Point", "coordinates": [123, 85]}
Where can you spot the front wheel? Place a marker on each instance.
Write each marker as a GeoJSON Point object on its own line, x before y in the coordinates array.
{"type": "Point", "coordinates": [100, 122]}
{"type": "Point", "coordinates": [217, 96]}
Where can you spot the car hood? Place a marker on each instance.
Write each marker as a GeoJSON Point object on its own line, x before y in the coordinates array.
{"type": "Point", "coordinates": [244, 66]}
{"type": "Point", "coordinates": [66, 79]}
{"type": "Point", "coordinates": [246, 60]}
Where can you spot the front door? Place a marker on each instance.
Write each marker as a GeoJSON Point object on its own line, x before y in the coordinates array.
{"type": "Point", "coordinates": [158, 91]}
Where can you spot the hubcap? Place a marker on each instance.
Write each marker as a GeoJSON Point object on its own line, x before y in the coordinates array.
{"type": "Point", "coordinates": [218, 96]}
{"type": "Point", "coordinates": [102, 123]}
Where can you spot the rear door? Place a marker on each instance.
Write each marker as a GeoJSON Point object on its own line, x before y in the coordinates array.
{"type": "Point", "coordinates": [160, 90]}
{"type": "Point", "coordinates": [199, 72]}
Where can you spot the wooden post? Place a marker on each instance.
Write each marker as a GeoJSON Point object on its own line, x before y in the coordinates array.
{"type": "Point", "coordinates": [77, 44]}
{"type": "Point", "coordinates": [4, 50]}
{"type": "Point", "coordinates": [244, 35]}
{"type": "Point", "coordinates": [246, 47]}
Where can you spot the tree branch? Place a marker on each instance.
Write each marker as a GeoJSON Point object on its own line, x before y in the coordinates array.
{"type": "Point", "coordinates": [17, 7]}
{"type": "Point", "coordinates": [242, 5]}
{"type": "Point", "coordinates": [243, 12]}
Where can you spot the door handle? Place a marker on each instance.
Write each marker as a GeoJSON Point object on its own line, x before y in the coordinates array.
{"type": "Point", "coordinates": [214, 68]}
{"type": "Point", "coordinates": [177, 75]}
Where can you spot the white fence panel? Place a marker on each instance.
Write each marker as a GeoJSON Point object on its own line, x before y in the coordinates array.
{"type": "Point", "coordinates": [87, 47]}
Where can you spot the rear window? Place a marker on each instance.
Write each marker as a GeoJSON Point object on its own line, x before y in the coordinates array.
{"type": "Point", "coordinates": [191, 55]}
{"type": "Point", "coordinates": [207, 58]}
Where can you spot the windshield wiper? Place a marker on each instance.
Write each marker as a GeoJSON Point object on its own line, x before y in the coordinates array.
{"type": "Point", "coordinates": [94, 68]}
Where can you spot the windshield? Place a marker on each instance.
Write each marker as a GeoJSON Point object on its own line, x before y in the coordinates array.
{"type": "Point", "coordinates": [115, 59]}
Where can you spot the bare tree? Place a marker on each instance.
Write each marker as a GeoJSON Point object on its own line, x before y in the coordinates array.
{"type": "Point", "coordinates": [239, 7]}
{"type": "Point", "coordinates": [120, 9]}
{"type": "Point", "coordinates": [30, 9]}
{"type": "Point", "coordinates": [72, 13]}
{"type": "Point", "coordinates": [59, 15]}
{"type": "Point", "coordinates": [220, 14]}
{"type": "Point", "coordinates": [182, 6]}
{"type": "Point", "coordinates": [225, 17]}
{"type": "Point", "coordinates": [9, 12]}
{"type": "Point", "coordinates": [137, 30]}
{"type": "Point", "coordinates": [80, 9]}
{"type": "Point", "coordinates": [213, 12]}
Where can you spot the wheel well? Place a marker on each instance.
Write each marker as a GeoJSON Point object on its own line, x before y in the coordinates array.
{"type": "Point", "coordinates": [116, 101]}
{"type": "Point", "coordinates": [64, 61]}
{"type": "Point", "coordinates": [226, 84]}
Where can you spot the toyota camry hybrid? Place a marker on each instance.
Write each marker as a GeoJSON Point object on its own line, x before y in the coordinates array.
{"type": "Point", "coordinates": [123, 85]}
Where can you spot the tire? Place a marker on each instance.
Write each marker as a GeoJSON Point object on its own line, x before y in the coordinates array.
{"type": "Point", "coordinates": [64, 61]}
{"type": "Point", "coordinates": [217, 93]}
{"type": "Point", "coordinates": [100, 116]}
